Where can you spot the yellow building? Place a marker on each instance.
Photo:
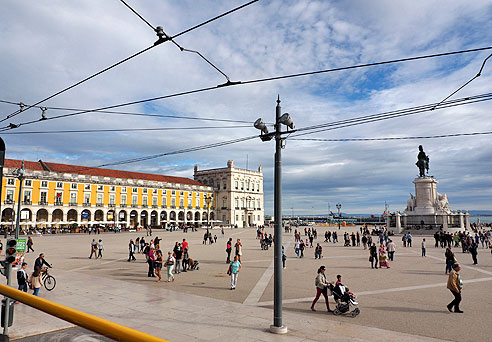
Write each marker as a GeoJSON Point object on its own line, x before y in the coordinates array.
{"type": "Point", "coordinates": [65, 194]}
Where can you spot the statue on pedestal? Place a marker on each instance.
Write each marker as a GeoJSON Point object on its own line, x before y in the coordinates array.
{"type": "Point", "coordinates": [422, 162]}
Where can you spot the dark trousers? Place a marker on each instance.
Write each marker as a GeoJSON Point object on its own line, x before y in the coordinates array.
{"type": "Point", "coordinates": [318, 294]}
{"type": "Point", "coordinates": [423, 252]}
{"type": "Point", "coordinates": [474, 257]}
{"type": "Point", "coordinates": [456, 301]}
{"type": "Point", "coordinates": [23, 287]}
{"type": "Point", "coordinates": [151, 268]}
{"type": "Point", "coordinates": [228, 261]}
{"type": "Point", "coordinates": [449, 265]}
{"type": "Point", "coordinates": [391, 255]}
{"type": "Point", "coordinates": [29, 248]}
{"type": "Point", "coordinates": [374, 262]}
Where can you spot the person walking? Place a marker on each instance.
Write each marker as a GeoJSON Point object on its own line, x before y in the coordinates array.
{"type": "Point", "coordinates": [93, 249]}
{"type": "Point", "coordinates": [297, 246]}
{"type": "Point", "coordinates": [450, 259]}
{"type": "Point", "coordinates": [373, 255]}
{"type": "Point", "coordinates": [35, 281]}
{"type": "Point", "coordinates": [233, 271]}
{"type": "Point", "coordinates": [131, 249]}
{"type": "Point", "coordinates": [318, 251]}
{"type": "Point", "coordinates": [186, 259]}
{"type": "Point", "coordinates": [150, 254]}
{"type": "Point", "coordinates": [178, 252]}
{"type": "Point", "coordinates": [321, 288]}
{"type": "Point", "coordinates": [455, 285]}
{"type": "Point", "coordinates": [301, 248]}
{"type": "Point", "coordinates": [284, 258]}
{"type": "Point", "coordinates": [391, 248]}
{"type": "Point", "coordinates": [409, 239]}
{"type": "Point", "coordinates": [239, 249]}
{"type": "Point", "coordinates": [423, 247]}
{"type": "Point", "coordinates": [383, 260]}
{"type": "Point", "coordinates": [100, 248]}
{"type": "Point", "coordinates": [229, 250]}
{"type": "Point", "coordinates": [473, 249]}
{"type": "Point", "coordinates": [29, 245]}
{"type": "Point", "coordinates": [170, 261]}
{"type": "Point", "coordinates": [158, 265]}
{"type": "Point", "coordinates": [22, 277]}
{"type": "Point", "coordinates": [364, 241]}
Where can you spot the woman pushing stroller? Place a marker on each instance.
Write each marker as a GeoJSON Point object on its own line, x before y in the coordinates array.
{"type": "Point", "coordinates": [321, 288]}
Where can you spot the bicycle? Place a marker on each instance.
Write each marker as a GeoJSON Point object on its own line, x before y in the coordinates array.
{"type": "Point", "coordinates": [48, 280]}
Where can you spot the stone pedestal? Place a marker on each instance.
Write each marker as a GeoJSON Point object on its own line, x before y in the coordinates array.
{"type": "Point", "coordinates": [425, 196]}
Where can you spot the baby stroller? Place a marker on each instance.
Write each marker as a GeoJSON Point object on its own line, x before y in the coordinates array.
{"type": "Point", "coordinates": [346, 301]}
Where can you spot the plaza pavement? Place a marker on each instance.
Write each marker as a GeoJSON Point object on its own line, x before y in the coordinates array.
{"type": "Point", "coordinates": [405, 302]}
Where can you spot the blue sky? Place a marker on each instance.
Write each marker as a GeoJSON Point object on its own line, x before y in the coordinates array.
{"type": "Point", "coordinates": [48, 45]}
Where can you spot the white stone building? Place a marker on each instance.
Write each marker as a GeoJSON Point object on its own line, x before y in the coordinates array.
{"type": "Point", "coordinates": [238, 192]}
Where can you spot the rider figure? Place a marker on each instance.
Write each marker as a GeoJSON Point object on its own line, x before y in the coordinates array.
{"type": "Point", "coordinates": [40, 262]}
{"type": "Point", "coordinates": [422, 161]}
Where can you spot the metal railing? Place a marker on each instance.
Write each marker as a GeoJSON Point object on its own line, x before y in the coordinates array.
{"type": "Point", "coordinates": [98, 325]}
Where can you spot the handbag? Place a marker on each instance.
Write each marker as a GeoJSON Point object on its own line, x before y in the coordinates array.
{"type": "Point", "coordinates": [371, 258]}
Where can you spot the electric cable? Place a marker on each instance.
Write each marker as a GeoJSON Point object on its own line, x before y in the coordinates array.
{"type": "Point", "coordinates": [395, 138]}
{"type": "Point", "coordinates": [138, 15]}
{"type": "Point", "coordinates": [139, 114]}
{"type": "Point", "coordinates": [128, 130]}
{"type": "Point", "coordinates": [467, 83]}
{"type": "Point", "coordinates": [158, 42]}
{"type": "Point", "coordinates": [406, 112]}
{"type": "Point", "coordinates": [253, 81]}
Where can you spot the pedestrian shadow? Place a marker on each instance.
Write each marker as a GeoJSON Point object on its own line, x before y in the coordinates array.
{"type": "Point", "coordinates": [207, 287]}
{"type": "Point", "coordinates": [406, 309]}
{"type": "Point", "coordinates": [423, 272]}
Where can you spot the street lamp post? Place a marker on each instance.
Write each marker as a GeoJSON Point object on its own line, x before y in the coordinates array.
{"type": "Point", "coordinates": [284, 119]}
{"type": "Point", "coordinates": [207, 200]}
{"type": "Point", "coordinates": [339, 206]}
{"type": "Point", "coordinates": [19, 173]}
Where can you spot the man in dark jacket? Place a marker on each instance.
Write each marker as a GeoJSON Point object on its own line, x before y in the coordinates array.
{"type": "Point", "coordinates": [40, 262]}
{"type": "Point", "coordinates": [22, 277]}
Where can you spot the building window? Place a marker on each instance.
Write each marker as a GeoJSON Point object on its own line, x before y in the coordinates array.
{"type": "Point", "coordinates": [223, 218]}
{"type": "Point", "coordinates": [258, 187]}
{"type": "Point", "coordinates": [236, 186]}
{"type": "Point", "coordinates": [100, 188]}
{"type": "Point", "coordinates": [59, 185]}
{"type": "Point", "coordinates": [44, 184]}
{"type": "Point", "coordinates": [99, 199]}
{"type": "Point", "coordinates": [258, 204]}
{"type": "Point", "coordinates": [27, 196]}
{"type": "Point", "coordinates": [28, 182]}
{"type": "Point", "coordinates": [173, 192]}
{"type": "Point", "coordinates": [11, 181]}
{"type": "Point", "coordinates": [10, 196]}
{"type": "Point", "coordinates": [154, 200]}
{"type": "Point", "coordinates": [144, 201]}
{"type": "Point", "coordinates": [181, 202]}
{"type": "Point", "coordinates": [73, 197]}
{"type": "Point", "coordinates": [134, 200]}
{"type": "Point", "coordinates": [258, 217]}
{"type": "Point", "coordinates": [173, 202]}
{"type": "Point", "coordinates": [123, 189]}
{"type": "Point", "coordinates": [135, 190]}
{"type": "Point", "coordinates": [237, 204]}
{"type": "Point", "coordinates": [164, 201]}
{"type": "Point", "coordinates": [123, 199]}
{"type": "Point", "coordinates": [247, 185]}
{"type": "Point", "coordinates": [224, 185]}
{"type": "Point", "coordinates": [237, 218]}
{"type": "Point", "coordinates": [242, 203]}
{"type": "Point", "coordinates": [198, 202]}
{"type": "Point", "coordinates": [58, 198]}
{"type": "Point", "coordinates": [87, 187]}
{"type": "Point", "coordinates": [43, 197]}
{"type": "Point", "coordinates": [224, 203]}
{"type": "Point", "coordinates": [181, 193]}
{"type": "Point", "coordinates": [113, 188]}
{"type": "Point", "coordinates": [87, 198]}
{"type": "Point", "coordinates": [242, 217]}
{"type": "Point", "coordinates": [242, 185]}
{"type": "Point", "coordinates": [189, 201]}
{"type": "Point", "coordinates": [145, 190]}
{"type": "Point", "coordinates": [111, 199]}
{"type": "Point", "coordinates": [74, 186]}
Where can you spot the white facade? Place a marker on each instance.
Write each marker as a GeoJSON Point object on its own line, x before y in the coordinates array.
{"type": "Point", "coordinates": [239, 194]}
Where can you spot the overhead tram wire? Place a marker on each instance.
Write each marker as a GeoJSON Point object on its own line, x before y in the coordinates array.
{"type": "Point", "coordinates": [384, 116]}
{"type": "Point", "coordinates": [127, 130]}
{"type": "Point", "coordinates": [158, 42]}
{"type": "Point", "coordinates": [250, 82]}
{"type": "Point", "coordinates": [467, 83]}
{"type": "Point", "coordinates": [138, 15]}
{"type": "Point", "coordinates": [395, 138]}
{"type": "Point", "coordinates": [139, 114]}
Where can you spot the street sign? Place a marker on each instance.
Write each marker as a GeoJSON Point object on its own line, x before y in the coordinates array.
{"type": "Point", "coordinates": [21, 245]}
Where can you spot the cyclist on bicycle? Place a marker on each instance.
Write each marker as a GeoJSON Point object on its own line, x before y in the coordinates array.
{"type": "Point", "coordinates": [40, 262]}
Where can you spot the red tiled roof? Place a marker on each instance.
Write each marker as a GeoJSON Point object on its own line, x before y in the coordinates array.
{"type": "Point", "coordinates": [93, 171]}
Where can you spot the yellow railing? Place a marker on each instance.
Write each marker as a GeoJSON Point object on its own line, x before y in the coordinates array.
{"type": "Point", "coordinates": [98, 325]}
